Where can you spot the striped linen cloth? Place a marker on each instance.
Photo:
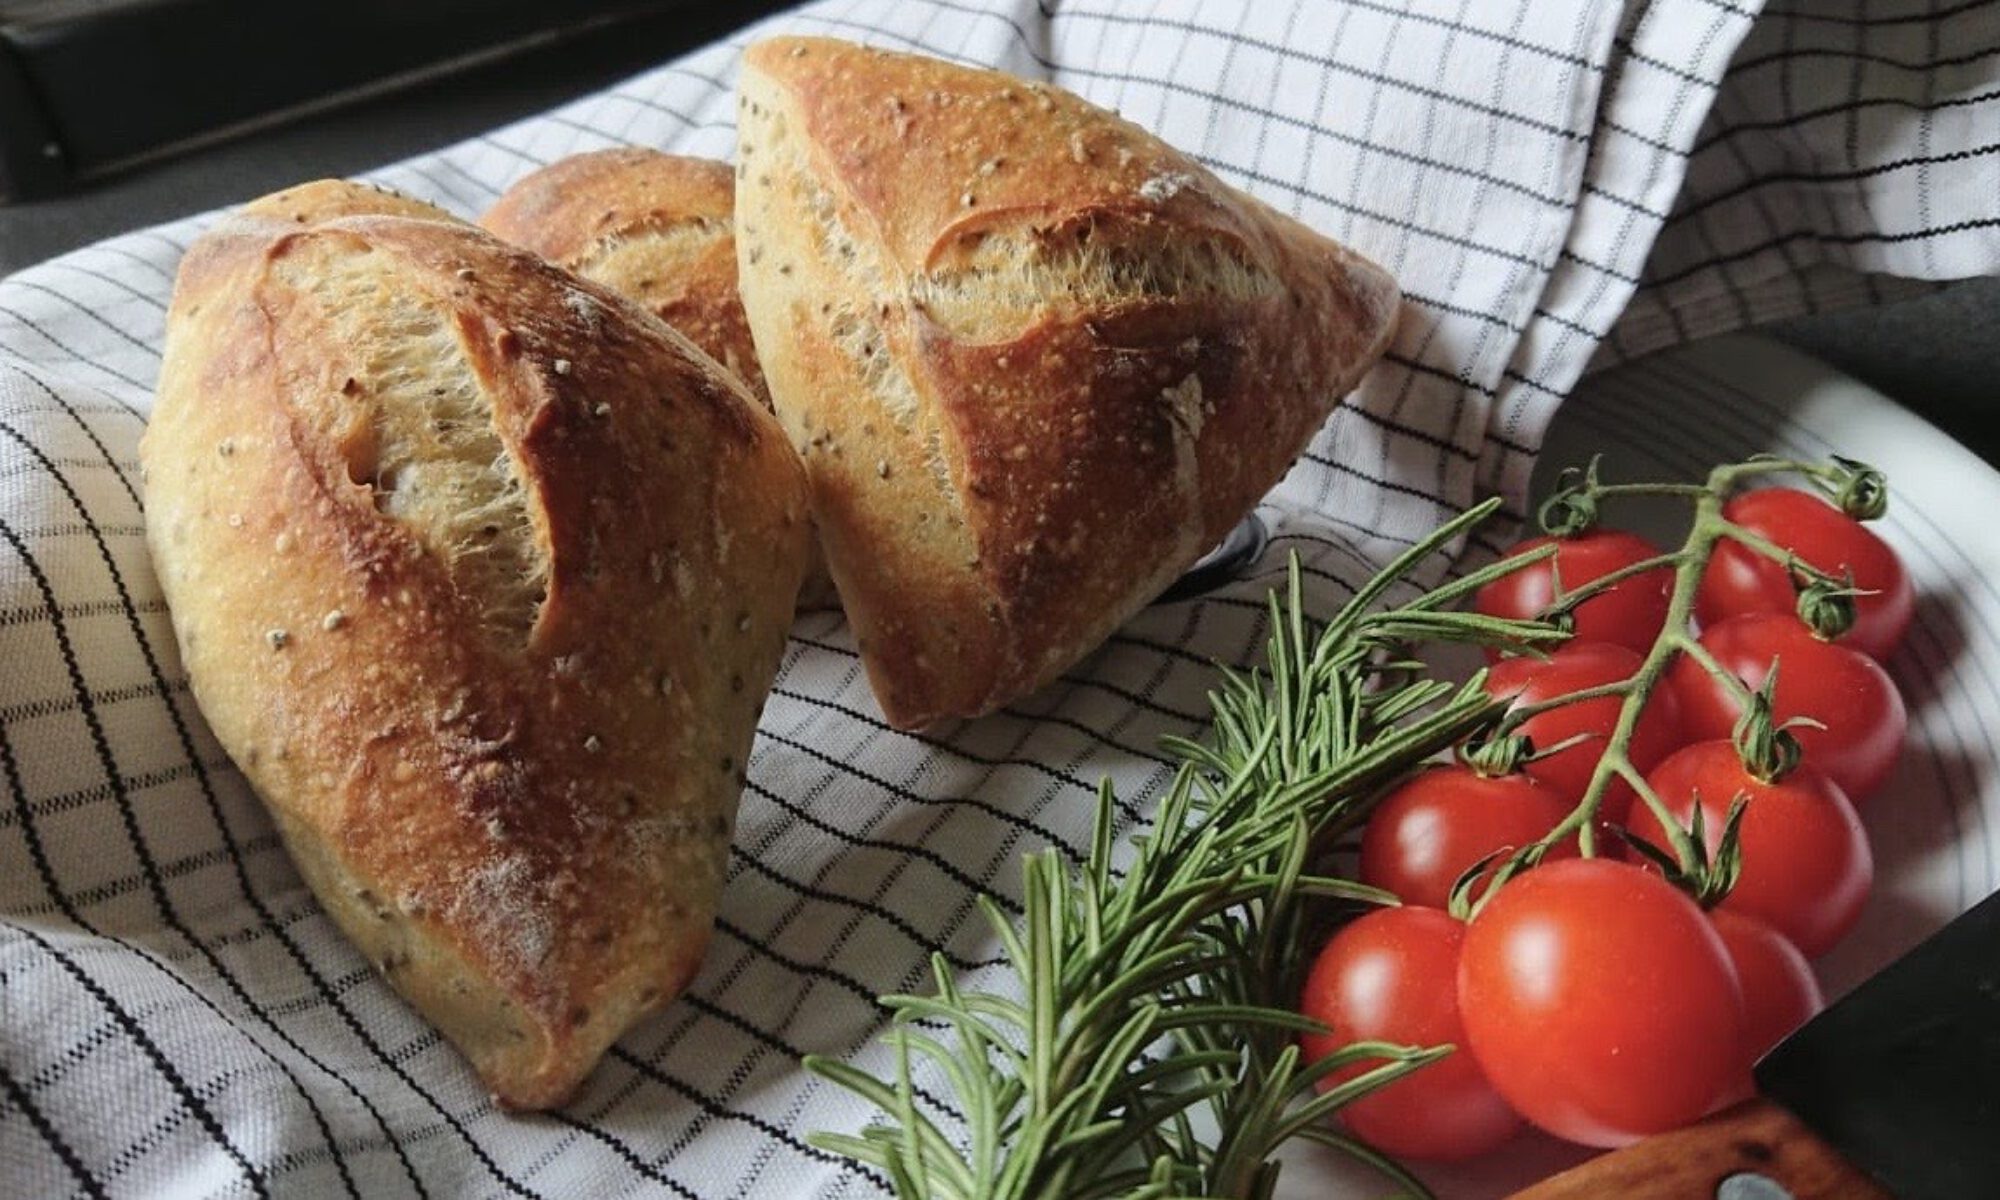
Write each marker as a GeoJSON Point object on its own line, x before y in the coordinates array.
{"type": "Point", "coordinates": [1555, 184]}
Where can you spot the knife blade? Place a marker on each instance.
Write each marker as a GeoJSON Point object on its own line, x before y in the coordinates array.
{"type": "Point", "coordinates": [1896, 1084]}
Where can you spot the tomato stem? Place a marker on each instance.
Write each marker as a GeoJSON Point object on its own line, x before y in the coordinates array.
{"type": "Point", "coordinates": [1521, 714]}
{"type": "Point", "coordinates": [1569, 598]}
{"type": "Point", "coordinates": [1690, 490]}
{"type": "Point", "coordinates": [1689, 563]}
{"type": "Point", "coordinates": [1795, 566]}
{"type": "Point", "coordinates": [1681, 841]}
{"type": "Point", "coordinates": [1693, 648]}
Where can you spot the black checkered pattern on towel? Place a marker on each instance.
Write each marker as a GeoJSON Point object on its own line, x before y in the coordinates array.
{"type": "Point", "coordinates": [178, 1017]}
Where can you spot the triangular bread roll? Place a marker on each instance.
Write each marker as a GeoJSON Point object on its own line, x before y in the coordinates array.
{"type": "Point", "coordinates": [1037, 361]}
{"type": "Point", "coordinates": [659, 228]}
{"type": "Point", "coordinates": [481, 575]}
{"type": "Point", "coordinates": [330, 199]}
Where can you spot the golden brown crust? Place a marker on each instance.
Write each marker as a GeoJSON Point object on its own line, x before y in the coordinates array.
{"type": "Point", "coordinates": [524, 826]}
{"type": "Point", "coordinates": [331, 199]}
{"type": "Point", "coordinates": [1037, 360]}
{"type": "Point", "coordinates": [659, 228]}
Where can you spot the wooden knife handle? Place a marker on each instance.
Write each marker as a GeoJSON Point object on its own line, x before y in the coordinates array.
{"type": "Point", "coordinates": [1756, 1137]}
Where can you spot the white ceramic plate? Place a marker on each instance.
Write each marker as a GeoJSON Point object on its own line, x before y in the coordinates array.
{"type": "Point", "coordinates": [1936, 826]}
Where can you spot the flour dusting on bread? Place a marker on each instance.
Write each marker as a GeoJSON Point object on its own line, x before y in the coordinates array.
{"type": "Point", "coordinates": [1163, 186]}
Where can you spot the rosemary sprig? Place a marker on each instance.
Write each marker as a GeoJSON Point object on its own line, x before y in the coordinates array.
{"type": "Point", "coordinates": [1147, 1047]}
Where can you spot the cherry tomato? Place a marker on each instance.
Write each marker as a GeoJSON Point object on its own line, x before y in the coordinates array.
{"type": "Point", "coordinates": [1601, 1002]}
{"type": "Point", "coordinates": [1628, 614]}
{"type": "Point", "coordinates": [1429, 831]}
{"type": "Point", "coordinates": [1845, 690]}
{"type": "Point", "coordinates": [1806, 864]}
{"type": "Point", "coordinates": [1740, 580]}
{"type": "Point", "coordinates": [1573, 668]}
{"type": "Point", "coordinates": [1389, 976]}
{"type": "Point", "coordinates": [1779, 990]}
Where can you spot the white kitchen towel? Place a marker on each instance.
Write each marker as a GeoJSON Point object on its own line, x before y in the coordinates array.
{"type": "Point", "coordinates": [177, 1017]}
{"type": "Point", "coordinates": [1853, 149]}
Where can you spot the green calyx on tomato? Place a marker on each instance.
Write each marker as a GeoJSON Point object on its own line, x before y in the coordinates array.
{"type": "Point", "coordinates": [1779, 542]}
{"type": "Point", "coordinates": [1709, 872]}
{"type": "Point", "coordinates": [1572, 506]}
{"type": "Point", "coordinates": [1496, 757]}
{"type": "Point", "coordinates": [1826, 605]}
{"type": "Point", "coordinates": [1769, 751]}
{"type": "Point", "coordinates": [1804, 864]}
{"type": "Point", "coordinates": [1840, 704]}
{"type": "Point", "coordinates": [1861, 491]}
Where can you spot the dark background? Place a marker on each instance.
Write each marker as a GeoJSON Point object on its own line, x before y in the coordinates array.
{"type": "Point", "coordinates": [1939, 354]}
{"type": "Point", "coordinates": [352, 137]}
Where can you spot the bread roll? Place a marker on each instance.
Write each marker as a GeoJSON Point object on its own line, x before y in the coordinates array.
{"type": "Point", "coordinates": [1037, 360]}
{"type": "Point", "coordinates": [480, 574]}
{"type": "Point", "coordinates": [661, 229]}
{"type": "Point", "coordinates": [657, 227]}
{"type": "Point", "coordinates": [329, 199]}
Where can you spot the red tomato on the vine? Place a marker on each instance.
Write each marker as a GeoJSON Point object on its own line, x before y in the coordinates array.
{"type": "Point", "coordinates": [1807, 868]}
{"type": "Point", "coordinates": [1573, 668]}
{"type": "Point", "coordinates": [1779, 990]}
{"type": "Point", "coordinates": [1432, 829]}
{"type": "Point", "coordinates": [1601, 1002]}
{"type": "Point", "coordinates": [1740, 580]}
{"type": "Point", "coordinates": [1844, 690]}
{"type": "Point", "coordinates": [1391, 976]}
{"type": "Point", "coordinates": [1630, 613]}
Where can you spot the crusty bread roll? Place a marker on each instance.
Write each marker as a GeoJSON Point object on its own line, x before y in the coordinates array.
{"type": "Point", "coordinates": [481, 575]}
{"type": "Point", "coordinates": [1037, 360]}
{"type": "Point", "coordinates": [661, 229]}
{"type": "Point", "coordinates": [657, 227]}
{"type": "Point", "coordinates": [330, 199]}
